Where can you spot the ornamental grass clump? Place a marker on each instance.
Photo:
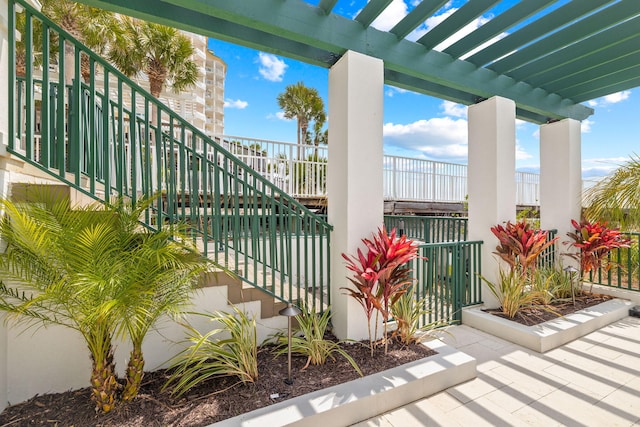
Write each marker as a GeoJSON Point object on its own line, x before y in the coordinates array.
{"type": "Point", "coordinates": [408, 312]}
{"type": "Point", "coordinates": [381, 275]}
{"type": "Point", "coordinates": [310, 340]}
{"type": "Point", "coordinates": [209, 356]}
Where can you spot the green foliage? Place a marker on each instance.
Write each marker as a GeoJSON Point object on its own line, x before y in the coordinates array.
{"type": "Point", "coordinates": [209, 356]}
{"type": "Point", "coordinates": [305, 105]}
{"type": "Point", "coordinates": [512, 291]}
{"type": "Point", "coordinates": [549, 284]}
{"type": "Point", "coordinates": [408, 312]}
{"type": "Point", "coordinates": [309, 340]}
{"type": "Point", "coordinates": [97, 271]}
{"type": "Point", "coordinates": [616, 198]}
{"type": "Point", "coordinates": [160, 52]}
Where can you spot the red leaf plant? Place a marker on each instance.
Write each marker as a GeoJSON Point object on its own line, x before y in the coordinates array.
{"type": "Point", "coordinates": [520, 245]}
{"type": "Point", "coordinates": [381, 274]}
{"type": "Point", "coordinates": [595, 241]}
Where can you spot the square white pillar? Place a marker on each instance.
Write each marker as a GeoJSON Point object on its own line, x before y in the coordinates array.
{"type": "Point", "coordinates": [560, 179]}
{"type": "Point", "coordinates": [354, 177]}
{"type": "Point", "coordinates": [491, 178]}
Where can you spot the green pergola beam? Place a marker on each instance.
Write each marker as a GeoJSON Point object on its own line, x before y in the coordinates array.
{"type": "Point", "coordinates": [609, 89]}
{"type": "Point", "coordinates": [371, 11]}
{"type": "Point", "coordinates": [411, 83]}
{"type": "Point", "coordinates": [613, 42]}
{"type": "Point", "coordinates": [338, 34]}
{"type": "Point", "coordinates": [416, 17]}
{"type": "Point", "coordinates": [516, 14]}
{"type": "Point", "coordinates": [594, 73]}
{"type": "Point", "coordinates": [547, 23]}
{"type": "Point", "coordinates": [579, 30]}
{"type": "Point", "coordinates": [327, 5]}
{"type": "Point", "coordinates": [578, 91]}
{"type": "Point", "coordinates": [298, 30]}
{"type": "Point", "coordinates": [455, 22]}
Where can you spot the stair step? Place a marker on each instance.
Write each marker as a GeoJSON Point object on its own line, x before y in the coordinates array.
{"type": "Point", "coordinates": [241, 292]}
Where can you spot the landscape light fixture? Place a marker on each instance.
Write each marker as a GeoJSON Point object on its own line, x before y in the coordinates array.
{"type": "Point", "coordinates": [290, 311]}
{"type": "Point", "coordinates": [571, 270]}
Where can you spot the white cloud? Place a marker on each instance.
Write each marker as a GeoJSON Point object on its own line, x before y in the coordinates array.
{"type": "Point", "coordinates": [392, 90]}
{"type": "Point", "coordinates": [599, 167]}
{"type": "Point", "coordinates": [614, 98]}
{"type": "Point", "coordinates": [453, 109]}
{"type": "Point", "coordinates": [271, 68]}
{"type": "Point", "coordinates": [441, 138]}
{"type": "Point", "coordinates": [278, 116]}
{"type": "Point", "coordinates": [393, 14]}
{"type": "Point", "coordinates": [521, 154]}
{"type": "Point", "coordinates": [585, 125]}
{"type": "Point", "coordinates": [237, 103]}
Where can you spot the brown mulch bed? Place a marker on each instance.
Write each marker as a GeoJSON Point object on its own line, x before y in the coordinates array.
{"type": "Point", "coordinates": [214, 401]}
{"type": "Point", "coordinates": [538, 314]}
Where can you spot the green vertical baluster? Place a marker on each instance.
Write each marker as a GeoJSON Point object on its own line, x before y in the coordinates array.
{"type": "Point", "coordinates": [29, 89]}
{"type": "Point", "coordinates": [106, 143]}
{"type": "Point", "coordinates": [45, 109]}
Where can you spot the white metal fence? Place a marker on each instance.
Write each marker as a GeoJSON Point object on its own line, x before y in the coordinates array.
{"type": "Point", "coordinates": [301, 171]}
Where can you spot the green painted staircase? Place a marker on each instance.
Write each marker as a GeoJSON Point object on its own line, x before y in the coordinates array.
{"type": "Point", "coordinates": [77, 119]}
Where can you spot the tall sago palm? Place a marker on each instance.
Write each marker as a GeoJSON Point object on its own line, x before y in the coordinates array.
{"type": "Point", "coordinates": [616, 198]}
{"type": "Point", "coordinates": [57, 269]}
{"type": "Point", "coordinates": [157, 279]}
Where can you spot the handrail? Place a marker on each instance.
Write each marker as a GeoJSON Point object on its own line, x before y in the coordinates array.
{"type": "Point", "coordinates": [81, 120]}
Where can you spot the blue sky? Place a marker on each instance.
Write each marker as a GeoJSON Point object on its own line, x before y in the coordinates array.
{"type": "Point", "coordinates": [415, 125]}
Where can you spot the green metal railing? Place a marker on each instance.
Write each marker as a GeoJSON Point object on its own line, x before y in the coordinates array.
{"type": "Point", "coordinates": [625, 270]}
{"type": "Point", "coordinates": [448, 275]}
{"type": "Point", "coordinates": [548, 257]}
{"type": "Point", "coordinates": [79, 119]}
{"type": "Point", "coordinates": [429, 229]}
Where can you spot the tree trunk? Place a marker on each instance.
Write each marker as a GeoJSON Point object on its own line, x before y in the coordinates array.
{"type": "Point", "coordinates": [135, 373]}
{"type": "Point", "coordinates": [103, 382]}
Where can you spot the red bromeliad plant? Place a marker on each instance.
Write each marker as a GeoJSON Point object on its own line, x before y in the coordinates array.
{"type": "Point", "coordinates": [382, 275]}
{"type": "Point", "coordinates": [595, 241]}
{"type": "Point", "coordinates": [520, 245]}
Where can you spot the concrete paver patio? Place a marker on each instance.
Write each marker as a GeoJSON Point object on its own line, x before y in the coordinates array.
{"type": "Point", "coordinates": [593, 381]}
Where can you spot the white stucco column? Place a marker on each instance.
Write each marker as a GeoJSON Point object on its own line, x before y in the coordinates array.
{"type": "Point", "coordinates": [4, 130]}
{"type": "Point", "coordinates": [491, 178]}
{"type": "Point", "coordinates": [354, 177]}
{"type": "Point", "coordinates": [560, 179]}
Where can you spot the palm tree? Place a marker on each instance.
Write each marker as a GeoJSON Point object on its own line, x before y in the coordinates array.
{"type": "Point", "coordinates": [157, 277]}
{"type": "Point", "coordinates": [160, 52]}
{"type": "Point", "coordinates": [95, 270]}
{"type": "Point", "coordinates": [303, 104]}
{"type": "Point", "coordinates": [57, 269]}
{"type": "Point", "coordinates": [92, 26]}
{"type": "Point", "coordinates": [617, 197]}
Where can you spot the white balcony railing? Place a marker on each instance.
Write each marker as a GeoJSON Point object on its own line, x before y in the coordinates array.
{"type": "Point", "coordinates": [301, 172]}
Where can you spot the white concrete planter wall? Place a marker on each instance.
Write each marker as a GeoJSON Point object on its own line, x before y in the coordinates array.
{"type": "Point", "coordinates": [56, 359]}
{"type": "Point", "coordinates": [360, 399]}
{"type": "Point", "coordinates": [551, 334]}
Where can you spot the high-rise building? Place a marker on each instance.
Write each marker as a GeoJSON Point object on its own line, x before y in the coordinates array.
{"type": "Point", "coordinates": [216, 71]}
